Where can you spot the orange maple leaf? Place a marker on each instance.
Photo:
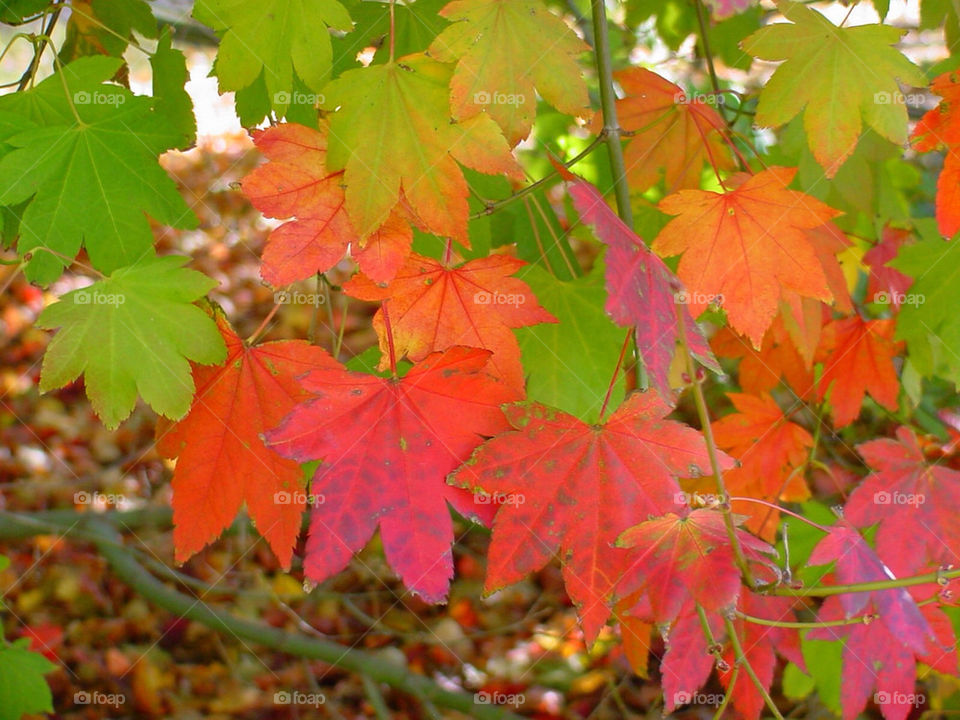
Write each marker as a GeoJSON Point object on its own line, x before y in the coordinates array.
{"type": "Point", "coordinates": [857, 357]}
{"type": "Point", "coordinates": [297, 183]}
{"type": "Point", "coordinates": [433, 307]}
{"type": "Point", "coordinates": [672, 132]}
{"type": "Point", "coordinates": [743, 248]}
{"type": "Point", "coordinates": [221, 461]}
{"type": "Point", "coordinates": [941, 127]}
{"type": "Point", "coordinates": [770, 449]}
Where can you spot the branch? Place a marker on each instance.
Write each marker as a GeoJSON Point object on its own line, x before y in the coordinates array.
{"type": "Point", "coordinates": [743, 662]}
{"type": "Point", "coordinates": [608, 103]}
{"type": "Point", "coordinates": [98, 529]}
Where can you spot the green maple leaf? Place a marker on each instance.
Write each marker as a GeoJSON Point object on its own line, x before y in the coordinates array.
{"type": "Point", "coordinates": [278, 39]}
{"type": "Point", "coordinates": [392, 131]}
{"type": "Point", "coordinates": [503, 49]}
{"type": "Point", "coordinates": [22, 687]}
{"type": "Point", "coordinates": [569, 363]}
{"type": "Point", "coordinates": [131, 333]}
{"type": "Point", "coordinates": [87, 162]}
{"type": "Point", "coordinates": [928, 321]}
{"type": "Point", "coordinates": [838, 77]}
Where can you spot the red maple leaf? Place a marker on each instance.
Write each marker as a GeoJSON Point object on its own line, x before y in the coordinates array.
{"type": "Point", "coordinates": [296, 183]}
{"type": "Point", "coordinates": [581, 486]}
{"type": "Point", "coordinates": [886, 285]}
{"type": "Point", "coordinates": [856, 562]}
{"type": "Point", "coordinates": [387, 445]}
{"type": "Point", "coordinates": [857, 357]}
{"type": "Point", "coordinates": [221, 461]}
{"type": "Point", "coordinates": [941, 127]}
{"type": "Point", "coordinates": [432, 307]}
{"type": "Point", "coordinates": [679, 558]}
{"type": "Point", "coordinates": [916, 503]}
{"type": "Point", "coordinates": [641, 291]}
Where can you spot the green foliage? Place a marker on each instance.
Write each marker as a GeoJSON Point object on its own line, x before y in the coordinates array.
{"type": "Point", "coordinates": [23, 688]}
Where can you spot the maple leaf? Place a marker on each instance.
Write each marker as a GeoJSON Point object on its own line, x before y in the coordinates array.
{"type": "Point", "coordinates": [393, 136]}
{"type": "Point", "coordinates": [761, 370]}
{"type": "Point", "coordinates": [503, 49]}
{"type": "Point", "coordinates": [278, 40]}
{"type": "Point", "coordinates": [770, 449]}
{"type": "Point", "coordinates": [23, 689]}
{"type": "Point", "coordinates": [582, 485]}
{"type": "Point", "coordinates": [641, 291]}
{"type": "Point", "coordinates": [909, 498]}
{"type": "Point", "coordinates": [674, 135]}
{"type": "Point", "coordinates": [99, 177]}
{"type": "Point", "coordinates": [687, 662]}
{"type": "Point", "coordinates": [856, 562]}
{"type": "Point", "coordinates": [387, 445]}
{"type": "Point", "coordinates": [682, 558]}
{"type": "Point", "coordinates": [940, 127]}
{"type": "Point", "coordinates": [744, 247]}
{"type": "Point", "coordinates": [296, 182]}
{"type": "Point", "coordinates": [886, 285]}
{"type": "Point", "coordinates": [838, 77]}
{"type": "Point", "coordinates": [222, 462]}
{"type": "Point", "coordinates": [133, 332]}
{"type": "Point", "coordinates": [433, 307]}
{"type": "Point", "coordinates": [857, 357]}
{"type": "Point", "coordinates": [877, 657]}
{"type": "Point", "coordinates": [761, 645]}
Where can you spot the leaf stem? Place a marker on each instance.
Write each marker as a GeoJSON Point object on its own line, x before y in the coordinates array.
{"type": "Point", "coordinates": [389, 330]}
{"type": "Point", "coordinates": [608, 103]}
{"type": "Point", "coordinates": [745, 663]}
{"type": "Point", "coordinates": [616, 374]}
{"type": "Point", "coordinates": [255, 335]}
{"type": "Point", "coordinates": [44, 39]}
{"type": "Point", "coordinates": [784, 510]}
{"type": "Point", "coordinates": [861, 620]}
{"type": "Point", "coordinates": [393, 29]}
{"type": "Point", "coordinates": [712, 452]}
{"type": "Point", "coordinates": [939, 576]}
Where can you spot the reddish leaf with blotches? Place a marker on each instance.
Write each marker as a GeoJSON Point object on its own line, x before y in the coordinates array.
{"type": "Point", "coordinates": [879, 662]}
{"type": "Point", "coordinates": [641, 290]}
{"type": "Point", "coordinates": [761, 645]}
{"type": "Point", "coordinates": [770, 449]}
{"type": "Point", "coordinates": [761, 370]}
{"type": "Point", "coordinates": [916, 503]}
{"type": "Point", "coordinates": [745, 247]}
{"type": "Point", "coordinates": [387, 445]}
{"type": "Point", "coordinates": [856, 562]}
{"type": "Point", "coordinates": [687, 663]}
{"type": "Point", "coordinates": [886, 285]}
{"type": "Point", "coordinates": [222, 463]}
{"type": "Point", "coordinates": [296, 183]}
{"type": "Point", "coordinates": [678, 558]}
{"type": "Point", "coordinates": [432, 307]}
{"type": "Point", "coordinates": [674, 135]}
{"type": "Point", "coordinates": [940, 127]}
{"type": "Point", "coordinates": [581, 486]}
{"type": "Point", "coordinates": [857, 357]}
